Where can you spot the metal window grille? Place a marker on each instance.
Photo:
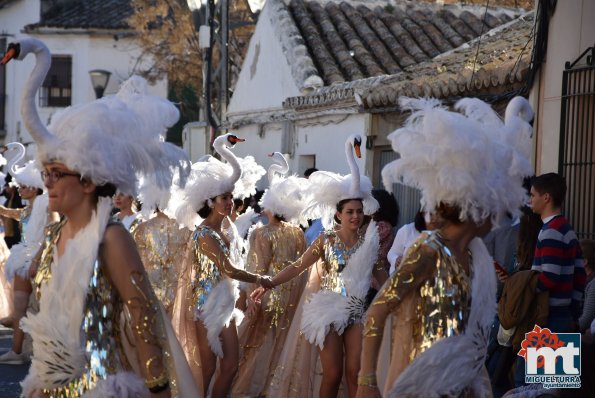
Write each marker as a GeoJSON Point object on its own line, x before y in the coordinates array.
{"type": "Point", "coordinates": [2, 90]}
{"type": "Point", "coordinates": [577, 143]}
{"type": "Point", "coordinates": [407, 197]}
{"type": "Point", "coordinates": [56, 90]}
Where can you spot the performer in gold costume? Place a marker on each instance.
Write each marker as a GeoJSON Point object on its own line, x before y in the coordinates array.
{"type": "Point", "coordinates": [272, 246]}
{"type": "Point", "coordinates": [205, 316]}
{"type": "Point", "coordinates": [334, 302]}
{"type": "Point", "coordinates": [89, 269]}
{"type": "Point", "coordinates": [443, 293]}
{"type": "Point", "coordinates": [160, 243]}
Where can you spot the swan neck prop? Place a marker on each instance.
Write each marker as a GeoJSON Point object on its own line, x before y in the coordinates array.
{"type": "Point", "coordinates": [43, 60]}
{"type": "Point", "coordinates": [12, 164]}
{"type": "Point", "coordinates": [228, 155]}
{"type": "Point", "coordinates": [354, 190]}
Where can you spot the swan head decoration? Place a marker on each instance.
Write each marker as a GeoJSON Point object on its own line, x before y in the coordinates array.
{"type": "Point", "coordinates": [27, 175]}
{"type": "Point", "coordinates": [208, 179]}
{"type": "Point", "coordinates": [329, 188]}
{"type": "Point", "coordinates": [286, 196]}
{"type": "Point", "coordinates": [112, 140]}
{"type": "Point", "coordinates": [470, 159]}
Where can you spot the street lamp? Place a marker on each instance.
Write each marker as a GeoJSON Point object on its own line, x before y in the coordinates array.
{"type": "Point", "coordinates": [99, 80]}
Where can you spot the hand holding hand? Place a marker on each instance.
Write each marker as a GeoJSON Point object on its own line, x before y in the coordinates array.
{"type": "Point", "coordinates": [267, 282]}
{"type": "Point", "coordinates": [257, 294]}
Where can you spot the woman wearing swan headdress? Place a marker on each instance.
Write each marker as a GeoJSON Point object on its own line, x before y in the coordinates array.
{"type": "Point", "coordinates": [469, 167]}
{"type": "Point", "coordinates": [90, 271]}
{"type": "Point", "coordinates": [204, 311]}
{"type": "Point", "coordinates": [272, 246]}
{"type": "Point", "coordinates": [335, 298]}
{"type": "Point", "coordinates": [32, 221]}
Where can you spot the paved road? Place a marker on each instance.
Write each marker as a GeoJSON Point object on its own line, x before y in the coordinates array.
{"type": "Point", "coordinates": [10, 375]}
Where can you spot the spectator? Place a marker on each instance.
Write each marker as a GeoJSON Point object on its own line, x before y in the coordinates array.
{"type": "Point", "coordinates": [588, 248]}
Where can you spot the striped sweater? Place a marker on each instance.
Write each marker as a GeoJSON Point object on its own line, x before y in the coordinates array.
{"type": "Point", "coordinates": [558, 257]}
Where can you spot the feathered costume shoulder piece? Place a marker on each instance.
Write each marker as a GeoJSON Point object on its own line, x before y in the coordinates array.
{"type": "Point", "coordinates": [470, 159]}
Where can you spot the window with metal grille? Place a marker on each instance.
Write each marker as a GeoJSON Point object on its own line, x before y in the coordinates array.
{"type": "Point", "coordinates": [56, 90]}
{"type": "Point", "coordinates": [577, 143]}
{"type": "Point", "coordinates": [2, 90]}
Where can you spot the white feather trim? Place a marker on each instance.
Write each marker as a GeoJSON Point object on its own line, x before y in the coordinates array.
{"type": "Point", "coordinates": [219, 310]}
{"type": "Point", "coordinates": [119, 385]}
{"type": "Point", "coordinates": [329, 188]}
{"type": "Point", "coordinates": [454, 363]}
{"type": "Point", "coordinates": [252, 172]}
{"type": "Point", "coordinates": [288, 197]}
{"type": "Point", "coordinates": [58, 355]}
{"type": "Point", "coordinates": [23, 253]}
{"type": "Point", "coordinates": [327, 308]}
{"type": "Point", "coordinates": [244, 221]}
{"type": "Point", "coordinates": [472, 159]}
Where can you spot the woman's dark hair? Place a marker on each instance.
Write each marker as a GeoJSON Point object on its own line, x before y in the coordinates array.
{"type": "Point", "coordinates": [340, 206]}
{"type": "Point", "coordinates": [205, 210]}
{"type": "Point", "coordinates": [449, 213]}
{"type": "Point", "coordinates": [529, 227]}
{"type": "Point", "coordinates": [389, 208]}
{"type": "Point", "coordinates": [279, 218]}
{"type": "Point", "coordinates": [588, 249]}
{"type": "Point", "coordinates": [420, 221]}
{"type": "Point", "coordinates": [106, 190]}
{"type": "Point", "coordinates": [39, 191]}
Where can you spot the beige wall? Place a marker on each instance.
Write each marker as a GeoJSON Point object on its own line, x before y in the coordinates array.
{"type": "Point", "coordinates": [571, 32]}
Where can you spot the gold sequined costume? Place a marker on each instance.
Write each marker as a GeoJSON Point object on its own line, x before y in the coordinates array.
{"type": "Point", "coordinates": [262, 336]}
{"type": "Point", "coordinates": [160, 243]}
{"type": "Point", "coordinates": [103, 362]}
{"type": "Point", "coordinates": [430, 300]}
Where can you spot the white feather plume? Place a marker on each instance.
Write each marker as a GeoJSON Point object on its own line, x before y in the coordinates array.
{"type": "Point", "coordinates": [244, 221]}
{"type": "Point", "coordinates": [119, 385]}
{"type": "Point", "coordinates": [252, 172]}
{"type": "Point", "coordinates": [455, 363]}
{"type": "Point", "coordinates": [288, 197]}
{"type": "Point", "coordinates": [472, 159]}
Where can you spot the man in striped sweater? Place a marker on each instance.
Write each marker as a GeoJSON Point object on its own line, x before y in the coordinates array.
{"type": "Point", "coordinates": [557, 255]}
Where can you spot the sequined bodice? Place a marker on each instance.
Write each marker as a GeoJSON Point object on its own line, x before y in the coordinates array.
{"type": "Point", "coordinates": [160, 242]}
{"type": "Point", "coordinates": [336, 256]}
{"type": "Point", "coordinates": [99, 327]}
{"type": "Point", "coordinates": [444, 298]}
{"type": "Point", "coordinates": [206, 273]}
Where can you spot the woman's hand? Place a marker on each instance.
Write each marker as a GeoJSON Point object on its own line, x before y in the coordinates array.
{"type": "Point", "coordinates": [368, 392]}
{"type": "Point", "coordinates": [251, 307]}
{"type": "Point", "coordinates": [257, 294]}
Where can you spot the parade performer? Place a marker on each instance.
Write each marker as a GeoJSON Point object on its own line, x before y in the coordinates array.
{"type": "Point", "coordinates": [335, 298]}
{"type": "Point", "coordinates": [32, 221]}
{"type": "Point", "coordinates": [272, 246]}
{"type": "Point", "coordinates": [89, 270]}
{"type": "Point", "coordinates": [469, 167]}
{"type": "Point", "coordinates": [127, 213]}
{"type": "Point", "coordinates": [205, 316]}
{"type": "Point", "coordinates": [160, 240]}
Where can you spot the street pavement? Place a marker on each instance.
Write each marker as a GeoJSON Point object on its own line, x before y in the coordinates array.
{"type": "Point", "coordinates": [10, 375]}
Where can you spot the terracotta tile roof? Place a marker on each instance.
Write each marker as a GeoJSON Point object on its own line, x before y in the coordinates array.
{"type": "Point", "coordinates": [87, 14]}
{"type": "Point", "coordinates": [502, 63]}
{"type": "Point", "coordinates": [349, 40]}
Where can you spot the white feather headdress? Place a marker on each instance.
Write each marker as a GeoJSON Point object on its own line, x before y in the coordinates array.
{"type": "Point", "coordinates": [472, 159]}
{"type": "Point", "coordinates": [329, 188]}
{"type": "Point", "coordinates": [113, 140]}
{"type": "Point", "coordinates": [213, 177]}
{"type": "Point", "coordinates": [286, 196]}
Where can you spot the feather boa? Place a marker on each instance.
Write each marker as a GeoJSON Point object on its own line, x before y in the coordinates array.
{"type": "Point", "coordinates": [56, 328]}
{"type": "Point", "coordinates": [219, 310]}
{"type": "Point", "coordinates": [327, 308]}
{"type": "Point", "coordinates": [120, 385]}
{"type": "Point", "coordinates": [22, 254]}
{"type": "Point", "coordinates": [454, 363]}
